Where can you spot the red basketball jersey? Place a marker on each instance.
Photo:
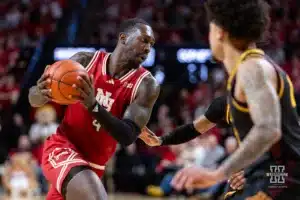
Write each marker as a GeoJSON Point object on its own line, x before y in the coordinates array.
{"type": "Point", "coordinates": [81, 128]}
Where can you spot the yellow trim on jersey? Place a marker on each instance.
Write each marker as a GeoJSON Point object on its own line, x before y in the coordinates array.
{"type": "Point", "coordinates": [245, 109]}
{"type": "Point", "coordinates": [233, 73]}
{"type": "Point", "coordinates": [239, 107]}
{"type": "Point", "coordinates": [281, 90]}
{"type": "Point", "coordinates": [229, 120]}
{"type": "Point", "coordinates": [227, 114]}
{"type": "Point", "coordinates": [230, 79]}
{"type": "Point", "coordinates": [240, 60]}
{"type": "Point", "coordinates": [237, 135]}
{"type": "Point", "coordinates": [292, 94]}
{"type": "Point", "coordinates": [229, 194]}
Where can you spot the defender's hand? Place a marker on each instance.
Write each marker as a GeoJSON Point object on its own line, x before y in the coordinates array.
{"type": "Point", "coordinates": [196, 178]}
{"type": "Point", "coordinates": [149, 137]}
{"type": "Point", "coordinates": [237, 181]}
{"type": "Point", "coordinates": [87, 91]}
{"type": "Point", "coordinates": [42, 85]}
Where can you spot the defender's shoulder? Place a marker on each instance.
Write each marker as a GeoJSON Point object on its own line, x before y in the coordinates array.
{"type": "Point", "coordinates": [255, 65]}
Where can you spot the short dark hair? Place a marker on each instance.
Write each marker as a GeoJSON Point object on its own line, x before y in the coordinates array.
{"type": "Point", "coordinates": [242, 19]}
{"type": "Point", "coordinates": [130, 24]}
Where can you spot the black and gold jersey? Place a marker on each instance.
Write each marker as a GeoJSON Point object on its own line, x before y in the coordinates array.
{"type": "Point", "coordinates": [239, 117]}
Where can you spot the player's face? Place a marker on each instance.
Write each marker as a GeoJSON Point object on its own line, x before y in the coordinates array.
{"type": "Point", "coordinates": [139, 44]}
{"type": "Point", "coordinates": [216, 36]}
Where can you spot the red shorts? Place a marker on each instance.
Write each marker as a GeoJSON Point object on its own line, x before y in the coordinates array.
{"type": "Point", "coordinates": [59, 157]}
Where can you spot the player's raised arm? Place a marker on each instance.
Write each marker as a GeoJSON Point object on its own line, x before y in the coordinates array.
{"type": "Point", "coordinates": [215, 115]}
{"type": "Point", "coordinates": [264, 107]}
{"type": "Point", "coordinates": [39, 94]}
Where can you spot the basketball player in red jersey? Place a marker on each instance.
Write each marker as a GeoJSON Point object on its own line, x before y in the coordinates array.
{"type": "Point", "coordinates": [115, 103]}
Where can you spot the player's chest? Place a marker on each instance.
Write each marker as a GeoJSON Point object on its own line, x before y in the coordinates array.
{"type": "Point", "coordinates": [111, 93]}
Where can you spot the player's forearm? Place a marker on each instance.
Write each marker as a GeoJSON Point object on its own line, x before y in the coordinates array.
{"type": "Point", "coordinates": [180, 135]}
{"type": "Point", "coordinates": [187, 132]}
{"type": "Point", "coordinates": [124, 131]}
{"type": "Point", "coordinates": [35, 97]}
{"type": "Point", "coordinates": [259, 140]}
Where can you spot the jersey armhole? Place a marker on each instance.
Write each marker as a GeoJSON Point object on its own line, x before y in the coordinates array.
{"type": "Point", "coordinates": [93, 60]}
{"type": "Point", "coordinates": [137, 84]}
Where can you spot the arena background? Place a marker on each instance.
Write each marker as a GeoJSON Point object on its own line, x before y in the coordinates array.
{"type": "Point", "coordinates": [34, 33]}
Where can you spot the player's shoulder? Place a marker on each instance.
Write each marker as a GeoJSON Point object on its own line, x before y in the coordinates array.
{"type": "Point", "coordinates": [150, 80]}
{"type": "Point", "coordinates": [257, 69]}
{"type": "Point", "coordinates": [84, 57]}
{"type": "Point", "coordinates": [255, 64]}
{"type": "Point", "coordinates": [149, 86]}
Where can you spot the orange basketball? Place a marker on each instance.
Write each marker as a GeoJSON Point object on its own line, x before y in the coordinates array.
{"type": "Point", "coordinates": [63, 74]}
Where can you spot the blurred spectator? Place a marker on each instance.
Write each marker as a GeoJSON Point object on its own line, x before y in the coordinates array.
{"type": "Point", "coordinates": [131, 174]}
{"type": "Point", "coordinates": [172, 161]}
{"type": "Point", "coordinates": [9, 92]}
{"type": "Point", "coordinates": [44, 126]}
{"type": "Point", "coordinates": [19, 178]}
{"type": "Point", "coordinates": [13, 17]}
{"type": "Point", "coordinates": [213, 152]}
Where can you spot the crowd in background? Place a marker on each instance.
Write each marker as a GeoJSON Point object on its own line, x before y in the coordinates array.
{"type": "Point", "coordinates": [137, 168]}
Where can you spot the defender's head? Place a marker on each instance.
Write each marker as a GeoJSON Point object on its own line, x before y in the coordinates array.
{"type": "Point", "coordinates": [238, 22]}
{"type": "Point", "coordinates": [136, 37]}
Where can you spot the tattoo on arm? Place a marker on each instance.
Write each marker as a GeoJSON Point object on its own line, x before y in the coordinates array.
{"type": "Point", "coordinates": [264, 107]}
{"type": "Point", "coordinates": [141, 108]}
{"type": "Point", "coordinates": [83, 58]}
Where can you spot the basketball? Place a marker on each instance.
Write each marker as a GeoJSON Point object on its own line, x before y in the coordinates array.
{"type": "Point", "coordinates": [63, 74]}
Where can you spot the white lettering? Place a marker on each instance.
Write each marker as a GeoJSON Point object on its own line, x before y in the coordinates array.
{"type": "Point", "coordinates": [104, 99]}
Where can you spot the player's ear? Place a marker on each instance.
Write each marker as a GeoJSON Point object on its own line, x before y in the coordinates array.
{"type": "Point", "coordinates": [122, 38]}
{"type": "Point", "coordinates": [221, 33]}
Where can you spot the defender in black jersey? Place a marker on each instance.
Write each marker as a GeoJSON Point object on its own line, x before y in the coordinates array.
{"type": "Point", "coordinates": [262, 108]}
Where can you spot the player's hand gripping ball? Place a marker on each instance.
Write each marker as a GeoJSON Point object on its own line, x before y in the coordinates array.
{"type": "Point", "coordinates": [66, 83]}
{"type": "Point", "coordinates": [86, 90]}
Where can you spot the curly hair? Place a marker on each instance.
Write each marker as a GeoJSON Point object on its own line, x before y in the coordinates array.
{"type": "Point", "coordinates": [242, 19]}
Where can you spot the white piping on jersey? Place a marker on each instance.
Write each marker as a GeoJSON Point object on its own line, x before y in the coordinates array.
{"type": "Point", "coordinates": [96, 166]}
{"type": "Point", "coordinates": [127, 75]}
{"type": "Point", "coordinates": [90, 65]}
{"type": "Point", "coordinates": [123, 78]}
{"type": "Point", "coordinates": [137, 84]}
{"type": "Point", "coordinates": [104, 64]}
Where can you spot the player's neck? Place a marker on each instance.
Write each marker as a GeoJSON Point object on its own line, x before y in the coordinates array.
{"type": "Point", "coordinates": [117, 66]}
{"type": "Point", "coordinates": [232, 55]}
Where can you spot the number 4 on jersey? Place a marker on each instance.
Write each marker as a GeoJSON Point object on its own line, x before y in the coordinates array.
{"type": "Point", "coordinates": [104, 99]}
{"type": "Point", "coordinates": [97, 125]}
